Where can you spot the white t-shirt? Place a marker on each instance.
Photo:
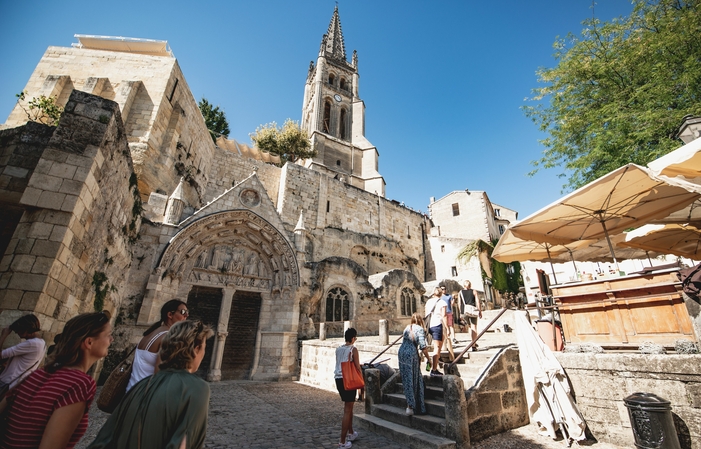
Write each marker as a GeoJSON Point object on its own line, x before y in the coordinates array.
{"type": "Point", "coordinates": [438, 312]}
{"type": "Point", "coordinates": [26, 357]}
{"type": "Point", "coordinates": [342, 353]}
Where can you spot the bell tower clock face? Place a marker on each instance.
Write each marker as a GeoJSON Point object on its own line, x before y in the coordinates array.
{"type": "Point", "coordinates": [337, 97]}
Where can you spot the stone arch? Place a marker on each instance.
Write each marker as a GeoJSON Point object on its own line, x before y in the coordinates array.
{"type": "Point", "coordinates": [238, 248]}
{"type": "Point", "coordinates": [326, 118]}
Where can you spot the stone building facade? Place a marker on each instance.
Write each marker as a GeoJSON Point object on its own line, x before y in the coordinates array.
{"type": "Point", "coordinates": [461, 217]}
{"type": "Point", "coordinates": [127, 201]}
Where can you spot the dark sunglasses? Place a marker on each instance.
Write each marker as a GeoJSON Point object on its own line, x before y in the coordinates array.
{"type": "Point", "coordinates": [184, 312]}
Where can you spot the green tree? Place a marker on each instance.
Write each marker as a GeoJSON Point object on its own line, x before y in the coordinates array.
{"type": "Point", "coordinates": [506, 277]}
{"type": "Point", "coordinates": [215, 119]}
{"type": "Point", "coordinates": [620, 90]}
{"type": "Point", "coordinates": [289, 142]}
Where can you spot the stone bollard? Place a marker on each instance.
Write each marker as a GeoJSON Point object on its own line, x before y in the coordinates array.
{"type": "Point", "coordinates": [373, 389]}
{"type": "Point", "coordinates": [384, 332]}
{"type": "Point", "coordinates": [322, 331]}
{"type": "Point", "coordinates": [456, 419]}
{"type": "Point", "coordinates": [346, 326]}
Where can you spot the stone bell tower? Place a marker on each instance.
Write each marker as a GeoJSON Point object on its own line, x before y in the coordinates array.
{"type": "Point", "coordinates": [334, 116]}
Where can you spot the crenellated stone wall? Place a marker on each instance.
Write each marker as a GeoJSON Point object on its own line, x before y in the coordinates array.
{"type": "Point", "coordinates": [80, 214]}
{"type": "Point", "coordinates": [164, 127]}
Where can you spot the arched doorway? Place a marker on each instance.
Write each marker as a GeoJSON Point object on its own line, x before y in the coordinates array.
{"type": "Point", "coordinates": [233, 267]}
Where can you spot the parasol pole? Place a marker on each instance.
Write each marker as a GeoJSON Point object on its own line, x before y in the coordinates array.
{"type": "Point", "coordinates": [647, 253]}
{"type": "Point", "coordinates": [552, 268]}
{"type": "Point", "coordinates": [608, 240]}
{"type": "Point", "coordinates": [573, 263]}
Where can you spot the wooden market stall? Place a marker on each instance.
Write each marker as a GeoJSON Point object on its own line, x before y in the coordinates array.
{"type": "Point", "coordinates": [625, 310]}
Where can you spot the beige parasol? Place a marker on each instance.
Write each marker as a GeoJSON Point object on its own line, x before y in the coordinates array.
{"type": "Point", "coordinates": [680, 240]}
{"type": "Point", "coordinates": [626, 197]}
{"type": "Point", "coordinates": [513, 249]}
{"type": "Point", "coordinates": [682, 164]}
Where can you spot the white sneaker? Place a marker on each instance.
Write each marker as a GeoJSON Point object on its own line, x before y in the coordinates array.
{"type": "Point", "coordinates": [409, 411]}
{"type": "Point", "coordinates": [345, 445]}
{"type": "Point", "coordinates": [352, 436]}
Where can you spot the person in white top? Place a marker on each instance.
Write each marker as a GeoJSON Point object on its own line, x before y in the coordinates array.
{"type": "Point", "coordinates": [436, 325]}
{"type": "Point", "coordinates": [347, 396]}
{"type": "Point", "coordinates": [146, 358]}
{"type": "Point", "coordinates": [25, 356]}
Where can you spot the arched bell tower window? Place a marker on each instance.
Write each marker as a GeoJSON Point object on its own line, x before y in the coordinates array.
{"type": "Point", "coordinates": [342, 128]}
{"type": "Point", "coordinates": [408, 306]}
{"type": "Point", "coordinates": [332, 78]}
{"type": "Point", "coordinates": [342, 84]}
{"type": "Point", "coordinates": [326, 125]}
{"type": "Point", "coordinates": [337, 305]}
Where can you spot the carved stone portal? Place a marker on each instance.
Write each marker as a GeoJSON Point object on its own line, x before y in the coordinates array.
{"type": "Point", "coordinates": [234, 248]}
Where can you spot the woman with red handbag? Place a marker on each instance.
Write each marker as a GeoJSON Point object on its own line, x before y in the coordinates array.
{"type": "Point", "coordinates": [344, 371]}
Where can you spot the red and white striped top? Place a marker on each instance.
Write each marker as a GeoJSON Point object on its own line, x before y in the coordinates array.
{"type": "Point", "coordinates": [37, 398]}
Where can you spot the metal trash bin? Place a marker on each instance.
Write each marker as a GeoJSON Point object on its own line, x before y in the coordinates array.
{"type": "Point", "coordinates": [651, 420]}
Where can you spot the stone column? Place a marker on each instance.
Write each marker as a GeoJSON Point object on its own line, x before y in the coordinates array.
{"type": "Point", "coordinates": [384, 332]}
{"type": "Point", "coordinates": [322, 331]}
{"type": "Point", "coordinates": [373, 389]}
{"type": "Point", "coordinates": [214, 374]}
{"type": "Point", "coordinates": [456, 419]}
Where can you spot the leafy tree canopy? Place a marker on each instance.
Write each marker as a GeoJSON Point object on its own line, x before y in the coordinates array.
{"type": "Point", "coordinates": [289, 142]}
{"type": "Point", "coordinates": [619, 91]}
{"type": "Point", "coordinates": [215, 119]}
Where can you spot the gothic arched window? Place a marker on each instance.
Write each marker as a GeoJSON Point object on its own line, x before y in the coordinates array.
{"type": "Point", "coordinates": [408, 306]}
{"type": "Point", "coordinates": [342, 128]}
{"type": "Point", "coordinates": [326, 125]}
{"type": "Point", "coordinates": [342, 84]}
{"type": "Point", "coordinates": [332, 78]}
{"type": "Point", "coordinates": [337, 305]}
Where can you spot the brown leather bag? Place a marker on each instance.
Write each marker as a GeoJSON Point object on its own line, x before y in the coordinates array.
{"type": "Point", "coordinates": [115, 386]}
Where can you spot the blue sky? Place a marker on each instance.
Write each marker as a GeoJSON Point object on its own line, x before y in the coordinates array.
{"type": "Point", "coordinates": [443, 82]}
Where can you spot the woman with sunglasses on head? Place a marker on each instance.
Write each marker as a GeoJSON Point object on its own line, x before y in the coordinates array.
{"type": "Point", "coordinates": [146, 355]}
{"type": "Point", "coordinates": [168, 409]}
{"type": "Point", "coordinates": [49, 409]}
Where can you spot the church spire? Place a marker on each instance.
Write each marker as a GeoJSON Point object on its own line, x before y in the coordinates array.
{"type": "Point", "coordinates": [332, 43]}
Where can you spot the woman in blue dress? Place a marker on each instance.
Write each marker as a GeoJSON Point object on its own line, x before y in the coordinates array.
{"type": "Point", "coordinates": [409, 366]}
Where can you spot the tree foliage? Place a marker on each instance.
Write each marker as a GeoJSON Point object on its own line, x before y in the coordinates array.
{"type": "Point", "coordinates": [619, 91]}
{"type": "Point", "coordinates": [505, 277]}
{"type": "Point", "coordinates": [215, 119]}
{"type": "Point", "coordinates": [290, 142]}
{"type": "Point", "coordinates": [41, 109]}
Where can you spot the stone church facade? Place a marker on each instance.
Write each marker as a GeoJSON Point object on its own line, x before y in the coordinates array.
{"type": "Point", "coordinates": [127, 203]}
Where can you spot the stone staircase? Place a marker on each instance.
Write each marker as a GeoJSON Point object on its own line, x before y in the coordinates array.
{"type": "Point", "coordinates": [417, 431]}
{"type": "Point", "coordinates": [387, 417]}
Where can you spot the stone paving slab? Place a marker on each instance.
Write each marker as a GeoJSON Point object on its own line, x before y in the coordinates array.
{"type": "Point", "coordinates": [267, 415]}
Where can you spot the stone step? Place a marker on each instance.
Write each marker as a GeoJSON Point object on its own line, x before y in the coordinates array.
{"type": "Point", "coordinates": [425, 423]}
{"type": "Point", "coordinates": [410, 437]}
{"type": "Point", "coordinates": [433, 407]}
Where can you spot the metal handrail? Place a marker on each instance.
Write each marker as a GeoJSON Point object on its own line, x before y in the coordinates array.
{"type": "Point", "coordinates": [385, 350]}
{"type": "Point", "coordinates": [467, 348]}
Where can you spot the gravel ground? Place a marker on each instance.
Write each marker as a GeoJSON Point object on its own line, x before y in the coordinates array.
{"type": "Point", "coordinates": [263, 415]}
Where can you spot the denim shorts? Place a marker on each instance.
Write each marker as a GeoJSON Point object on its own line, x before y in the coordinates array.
{"type": "Point", "coordinates": [437, 332]}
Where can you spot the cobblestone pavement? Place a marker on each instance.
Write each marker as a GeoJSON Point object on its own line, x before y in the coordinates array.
{"type": "Point", "coordinates": [266, 415]}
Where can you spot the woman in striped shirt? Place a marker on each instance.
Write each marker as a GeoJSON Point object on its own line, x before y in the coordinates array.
{"type": "Point", "coordinates": [50, 408]}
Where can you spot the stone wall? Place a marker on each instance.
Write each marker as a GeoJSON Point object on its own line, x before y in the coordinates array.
{"type": "Point", "coordinates": [600, 383]}
{"type": "Point", "coordinates": [165, 130]}
{"type": "Point", "coordinates": [81, 211]}
{"type": "Point", "coordinates": [229, 168]}
{"type": "Point", "coordinates": [497, 402]}
{"type": "Point", "coordinates": [318, 360]}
